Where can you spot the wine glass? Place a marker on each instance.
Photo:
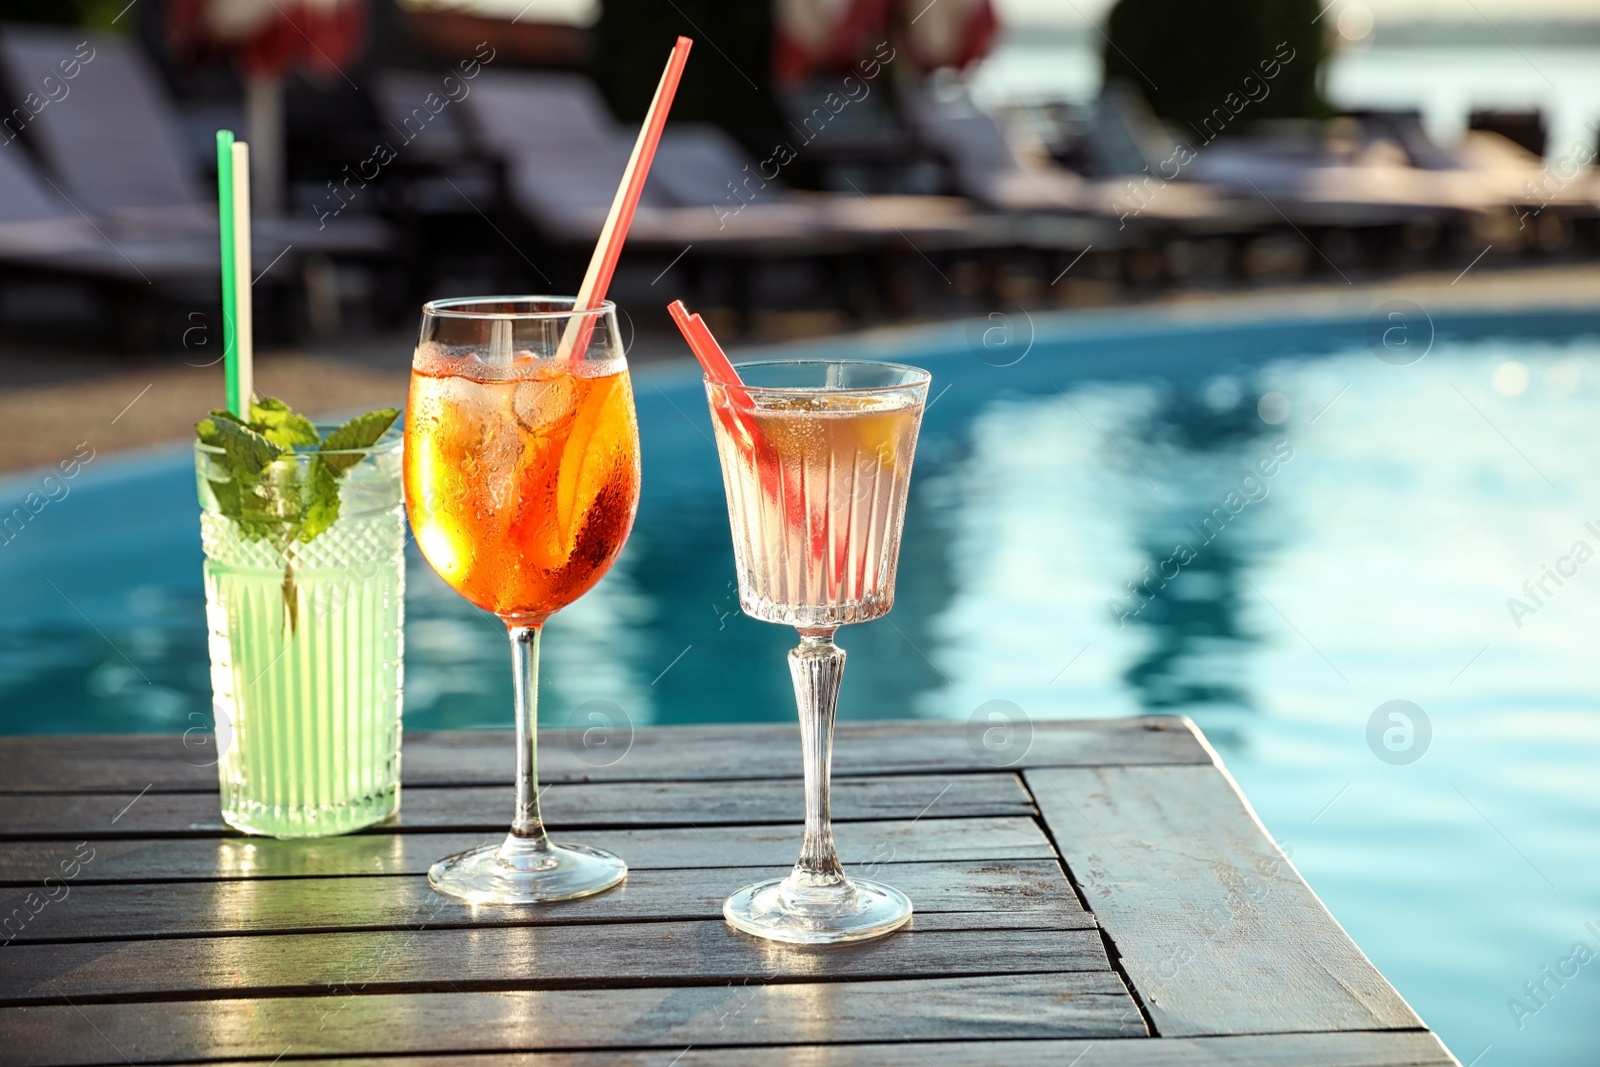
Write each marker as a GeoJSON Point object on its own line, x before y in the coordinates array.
{"type": "Point", "coordinates": [816, 460]}
{"type": "Point", "coordinates": [522, 481]}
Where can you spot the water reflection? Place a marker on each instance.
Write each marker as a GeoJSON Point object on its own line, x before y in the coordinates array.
{"type": "Point", "coordinates": [1215, 415]}
{"type": "Point", "coordinates": [1192, 621]}
{"type": "Point", "coordinates": [261, 857]}
{"type": "Point", "coordinates": [1208, 445]}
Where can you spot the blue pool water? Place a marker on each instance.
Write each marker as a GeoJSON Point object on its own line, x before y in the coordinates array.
{"type": "Point", "coordinates": [1404, 506]}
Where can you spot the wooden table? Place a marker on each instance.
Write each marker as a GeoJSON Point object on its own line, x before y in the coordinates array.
{"type": "Point", "coordinates": [1105, 897]}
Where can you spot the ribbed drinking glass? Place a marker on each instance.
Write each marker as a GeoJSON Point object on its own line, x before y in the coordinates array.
{"type": "Point", "coordinates": [816, 461]}
{"type": "Point", "coordinates": [305, 641]}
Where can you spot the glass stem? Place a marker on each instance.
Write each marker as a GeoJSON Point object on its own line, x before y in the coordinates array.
{"type": "Point", "coordinates": [527, 839]}
{"type": "Point", "coordinates": [817, 667]}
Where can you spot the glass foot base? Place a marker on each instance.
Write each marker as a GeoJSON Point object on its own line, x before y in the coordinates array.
{"type": "Point", "coordinates": [508, 874]}
{"type": "Point", "coordinates": [856, 911]}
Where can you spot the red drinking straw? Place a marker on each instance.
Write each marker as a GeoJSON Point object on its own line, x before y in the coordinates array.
{"type": "Point", "coordinates": [741, 428]}
{"type": "Point", "coordinates": [705, 348]}
{"type": "Point", "coordinates": [719, 369]}
{"type": "Point", "coordinates": [597, 279]}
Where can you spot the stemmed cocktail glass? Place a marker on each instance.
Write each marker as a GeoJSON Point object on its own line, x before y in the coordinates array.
{"type": "Point", "coordinates": [522, 480]}
{"type": "Point", "coordinates": [816, 460]}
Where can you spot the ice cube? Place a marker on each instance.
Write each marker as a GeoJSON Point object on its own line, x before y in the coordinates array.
{"type": "Point", "coordinates": [499, 351]}
{"type": "Point", "coordinates": [475, 418]}
{"type": "Point", "coordinates": [459, 404]}
{"type": "Point", "coordinates": [544, 404]}
{"type": "Point", "coordinates": [496, 465]}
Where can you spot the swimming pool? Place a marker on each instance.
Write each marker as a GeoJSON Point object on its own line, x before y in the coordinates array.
{"type": "Point", "coordinates": [1359, 548]}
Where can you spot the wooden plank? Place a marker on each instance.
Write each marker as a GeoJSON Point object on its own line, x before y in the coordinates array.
{"type": "Point", "coordinates": [513, 957]}
{"type": "Point", "coordinates": [1215, 928]}
{"type": "Point", "coordinates": [1087, 1004]}
{"type": "Point", "coordinates": [173, 859]}
{"type": "Point", "coordinates": [575, 805]}
{"type": "Point", "coordinates": [691, 752]}
{"type": "Point", "coordinates": [1404, 1048]}
{"type": "Point", "coordinates": [986, 894]}
{"type": "Point", "coordinates": [79, 764]}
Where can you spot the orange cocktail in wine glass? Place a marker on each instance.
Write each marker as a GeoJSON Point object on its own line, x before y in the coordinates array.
{"type": "Point", "coordinates": [522, 480]}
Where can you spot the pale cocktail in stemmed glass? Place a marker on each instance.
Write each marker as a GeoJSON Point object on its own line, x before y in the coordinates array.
{"type": "Point", "coordinates": [522, 480]}
{"type": "Point", "coordinates": [816, 460]}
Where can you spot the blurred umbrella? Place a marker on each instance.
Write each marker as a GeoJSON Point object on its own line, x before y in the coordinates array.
{"type": "Point", "coordinates": [816, 36]}
{"type": "Point", "coordinates": [824, 35]}
{"type": "Point", "coordinates": [949, 33]}
{"type": "Point", "coordinates": [269, 39]}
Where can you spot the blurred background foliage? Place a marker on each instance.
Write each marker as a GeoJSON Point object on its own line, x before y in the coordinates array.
{"type": "Point", "coordinates": [729, 84]}
{"type": "Point", "coordinates": [1187, 57]}
{"type": "Point", "coordinates": [98, 15]}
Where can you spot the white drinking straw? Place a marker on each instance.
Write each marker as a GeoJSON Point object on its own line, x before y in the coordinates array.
{"type": "Point", "coordinates": [244, 330]}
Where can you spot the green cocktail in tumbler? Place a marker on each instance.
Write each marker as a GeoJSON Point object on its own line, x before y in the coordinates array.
{"type": "Point", "coordinates": [304, 607]}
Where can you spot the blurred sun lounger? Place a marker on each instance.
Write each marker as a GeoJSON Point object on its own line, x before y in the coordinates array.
{"type": "Point", "coordinates": [112, 144]}
{"type": "Point", "coordinates": [1381, 169]}
{"type": "Point", "coordinates": [564, 153]}
{"type": "Point", "coordinates": [701, 165]}
{"type": "Point", "coordinates": [563, 156]}
{"type": "Point", "coordinates": [989, 167]}
{"type": "Point", "coordinates": [1315, 180]}
{"type": "Point", "coordinates": [41, 231]}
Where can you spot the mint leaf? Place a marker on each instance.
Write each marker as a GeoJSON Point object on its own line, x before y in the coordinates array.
{"type": "Point", "coordinates": [225, 490]}
{"type": "Point", "coordinates": [257, 495]}
{"type": "Point", "coordinates": [248, 452]}
{"type": "Point", "coordinates": [360, 432]}
{"type": "Point", "coordinates": [227, 494]}
{"type": "Point", "coordinates": [322, 499]}
{"type": "Point", "coordinates": [337, 455]}
{"type": "Point", "coordinates": [269, 493]}
{"type": "Point", "coordinates": [206, 428]}
{"type": "Point", "coordinates": [277, 498]}
{"type": "Point", "coordinates": [275, 421]}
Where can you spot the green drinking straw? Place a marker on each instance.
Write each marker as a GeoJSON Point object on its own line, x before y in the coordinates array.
{"type": "Point", "coordinates": [230, 291]}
